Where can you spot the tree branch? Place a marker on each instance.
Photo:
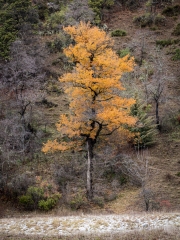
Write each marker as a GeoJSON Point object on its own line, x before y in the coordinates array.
{"type": "Point", "coordinates": [107, 134]}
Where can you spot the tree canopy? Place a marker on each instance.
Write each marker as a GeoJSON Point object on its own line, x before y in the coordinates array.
{"type": "Point", "coordinates": [14, 14]}
{"type": "Point", "coordinates": [93, 88]}
{"type": "Point", "coordinates": [97, 107]}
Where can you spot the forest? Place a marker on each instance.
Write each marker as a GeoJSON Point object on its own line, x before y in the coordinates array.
{"type": "Point", "coordinates": [89, 105]}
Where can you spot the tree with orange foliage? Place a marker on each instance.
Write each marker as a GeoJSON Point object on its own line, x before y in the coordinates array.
{"type": "Point", "coordinates": [96, 108]}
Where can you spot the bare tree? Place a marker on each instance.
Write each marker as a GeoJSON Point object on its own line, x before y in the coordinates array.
{"type": "Point", "coordinates": [157, 84]}
{"type": "Point", "coordinates": [77, 11]}
{"type": "Point", "coordinates": [137, 168]}
{"type": "Point", "coordinates": [22, 84]}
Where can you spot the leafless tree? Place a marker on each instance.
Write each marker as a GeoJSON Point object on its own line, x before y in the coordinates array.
{"type": "Point", "coordinates": [77, 11]}
{"type": "Point", "coordinates": [137, 168]}
{"type": "Point", "coordinates": [156, 86]}
{"type": "Point", "coordinates": [22, 84]}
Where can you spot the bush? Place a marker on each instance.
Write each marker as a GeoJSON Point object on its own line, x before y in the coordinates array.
{"type": "Point", "coordinates": [97, 6]}
{"type": "Point", "coordinates": [144, 20]}
{"type": "Point", "coordinates": [77, 201]}
{"type": "Point", "coordinates": [43, 196]}
{"type": "Point", "coordinates": [20, 183]}
{"type": "Point", "coordinates": [123, 179]}
{"type": "Point", "coordinates": [165, 43]}
{"type": "Point", "coordinates": [118, 33]}
{"type": "Point", "coordinates": [47, 205]}
{"type": "Point", "coordinates": [99, 201]}
{"type": "Point", "coordinates": [43, 10]}
{"type": "Point", "coordinates": [109, 174]}
{"type": "Point", "coordinates": [55, 46]}
{"type": "Point", "coordinates": [176, 31]}
{"type": "Point", "coordinates": [36, 198]}
{"type": "Point", "coordinates": [56, 19]}
{"type": "Point", "coordinates": [159, 20]}
{"type": "Point", "coordinates": [131, 4]}
{"type": "Point", "coordinates": [122, 53]}
{"type": "Point", "coordinates": [176, 56]}
{"type": "Point", "coordinates": [145, 130]}
{"type": "Point", "coordinates": [36, 194]}
{"type": "Point", "coordinates": [27, 202]}
{"type": "Point", "coordinates": [149, 19]}
{"type": "Point", "coordinates": [54, 88]}
{"type": "Point", "coordinates": [171, 11]}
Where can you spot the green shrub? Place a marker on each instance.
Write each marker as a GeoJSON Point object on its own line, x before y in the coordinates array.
{"type": "Point", "coordinates": [26, 202]}
{"type": "Point", "coordinates": [47, 205]}
{"type": "Point", "coordinates": [99, 201]}
{"type": "Point", "coordinates": [178, 174]}
{"type": "Point", "coordinates": [36, 194]}
{"type": "Point", "coordinates": [144, 20]}
{"type": "Point", "coordinates": [43, 10]}
{"type": "Point", "coordinates": [122, 53]}
{"type": "Point", "coordinates": [176, 31]}
{"type": "Point", "coordinates": [159, 20]}
{"type": "Point", "coordinates": [14, 15]}
{"type": "Point", "coordinates": [118, 33]}
{"type": "Point", "coordinates": [56, 196]}
{"type": "Point", "coordinates": [123, 179]}
{"type": "Point", "coordinates": [44, 197]}
{"type": "Point", "coordinates": [171, 11]}
{"type": "Point", "coordinates": [145, 130]}
{"type": "Point", "coordinates": [109, 174]}
{"type": "Point", "coordinates": [56, 18]}
{"type": "Point", "coordinates": [176, 56]}
{"type": "Point", "coordinates": [165, 43]}
{"type": "Point", "coordinates": [154, 28]}
{"type": "Point", "coordinates": [131, 4]}
{"type": "Point", "coordinates": [55, 45]}
{"type": "Point", "coordinates": [97, 6]}
{"type": "Point", "coordinates": [54, 88]}
{"type": "Point", "coordinates": [77, 201]}
{"type": "Point", "coordinates": [148, 19]}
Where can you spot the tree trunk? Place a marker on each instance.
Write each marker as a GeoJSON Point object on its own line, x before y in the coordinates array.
{"type": "Point", "coordinates": [157, 115]}
{"type": "Point", "coordinates": [90, 145]}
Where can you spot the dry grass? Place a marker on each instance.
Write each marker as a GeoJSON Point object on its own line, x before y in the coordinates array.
{"type": "Point", "coordinates": [125, 201]}
{"type": "Point", "coordinates": [99, 223]}
{"type": "Point", "coordinates": [160, 234]}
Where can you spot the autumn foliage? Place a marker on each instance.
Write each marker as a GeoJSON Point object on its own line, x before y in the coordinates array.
{"type": "Point", "coordinates": [97, 108]}
{"type": "Point", "coordinates": [94, 89]}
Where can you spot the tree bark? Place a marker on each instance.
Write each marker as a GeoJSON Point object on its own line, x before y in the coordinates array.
{"type": "Point", "coordinates": [90, 145]}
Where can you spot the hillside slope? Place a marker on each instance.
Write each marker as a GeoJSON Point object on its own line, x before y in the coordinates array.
{"type": "Point", "coordinates": [115, 191]}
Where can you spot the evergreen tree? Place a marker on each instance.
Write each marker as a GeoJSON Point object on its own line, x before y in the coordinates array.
{"type": "Point", "coordinates": [145, 129]}
{"type": "Point", "coordinates": [14, 13]}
